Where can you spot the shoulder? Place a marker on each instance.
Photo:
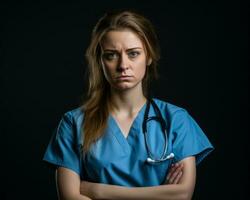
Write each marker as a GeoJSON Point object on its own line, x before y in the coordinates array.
{"type": "Point", "coordinates": [70, 124]}
{"type": "Point", "coordinates": [176, 115]}
{"type": "Point", "coordinates": [170, 108]}
{"type": "Point", "coordinates": [74, 115]}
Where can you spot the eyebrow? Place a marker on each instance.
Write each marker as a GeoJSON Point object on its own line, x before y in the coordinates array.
{"type": "Point", "coordinates": [114, 50]}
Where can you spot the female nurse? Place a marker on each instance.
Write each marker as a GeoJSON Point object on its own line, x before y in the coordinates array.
{"type": "Point", "coordinates": [121, 143]}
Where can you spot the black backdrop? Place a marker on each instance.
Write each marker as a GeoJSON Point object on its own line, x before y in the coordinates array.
{"type": "Point", "coordinates": [203, 69]}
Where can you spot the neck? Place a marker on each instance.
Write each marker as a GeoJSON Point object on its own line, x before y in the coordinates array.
{"type": "Point", "coordinates": [127, 102]}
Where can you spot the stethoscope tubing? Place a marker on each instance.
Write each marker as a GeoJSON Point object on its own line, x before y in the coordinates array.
{"type": "Point", "coordinates": [151, 159]}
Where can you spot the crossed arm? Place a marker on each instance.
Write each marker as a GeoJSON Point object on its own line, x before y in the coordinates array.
{"type": "Point", "coordinates": [70, 187]}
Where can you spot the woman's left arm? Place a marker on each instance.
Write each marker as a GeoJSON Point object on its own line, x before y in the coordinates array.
{"type": "Point", "coordinates": [181, 191]}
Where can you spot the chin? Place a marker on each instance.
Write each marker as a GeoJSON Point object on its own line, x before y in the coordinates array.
{"type": "Point", "coordinates": [124, 86]}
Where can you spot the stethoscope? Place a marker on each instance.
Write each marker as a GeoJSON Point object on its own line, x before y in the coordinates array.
{"type": "Point", "coordinates": [151, 158]}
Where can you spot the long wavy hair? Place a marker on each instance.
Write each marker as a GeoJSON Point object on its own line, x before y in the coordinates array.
{"type": "Point", "coordinates": [96, 106]}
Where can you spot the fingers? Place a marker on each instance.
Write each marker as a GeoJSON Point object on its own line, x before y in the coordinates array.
{"type": "Point", "coordinates": [172, 170]}
{"type": "Point", "coordinates": [175, 173]}
{"type": "Point", "coordinates": [177, 178]}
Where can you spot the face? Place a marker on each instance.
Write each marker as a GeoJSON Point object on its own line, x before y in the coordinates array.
{"type": "Point", "coordinates": [123, 59]}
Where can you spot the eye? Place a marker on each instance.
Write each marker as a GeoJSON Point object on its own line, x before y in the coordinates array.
{"type": "Point", "coordinates": [110, 56]}
{"type": "Point", "coordinates": [133, 54]}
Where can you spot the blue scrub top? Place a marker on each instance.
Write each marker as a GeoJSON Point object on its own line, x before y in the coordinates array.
{"type": "Point", "coordinates": [117, 160]}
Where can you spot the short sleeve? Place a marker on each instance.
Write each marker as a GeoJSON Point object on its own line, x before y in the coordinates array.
{"type": "Point", "coordinates": [189, 138]}
{"type": "Point", "coordinates": [62, 149]}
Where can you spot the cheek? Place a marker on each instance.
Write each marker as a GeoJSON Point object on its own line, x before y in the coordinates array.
{"type": "Point", "coordinates": [140, 69]}
{"type": "Point", "coordinates": [108, 71]}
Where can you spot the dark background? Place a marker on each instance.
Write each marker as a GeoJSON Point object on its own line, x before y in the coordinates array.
{"type": "Point", "coordinates": [203, 69]}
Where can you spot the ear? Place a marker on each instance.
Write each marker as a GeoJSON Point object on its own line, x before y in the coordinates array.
{"type": "Point", "coordinates": [149, 61]}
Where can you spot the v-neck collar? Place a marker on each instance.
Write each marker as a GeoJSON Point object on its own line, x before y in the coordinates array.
{"type": "Point", "coordinates": [134, 128]}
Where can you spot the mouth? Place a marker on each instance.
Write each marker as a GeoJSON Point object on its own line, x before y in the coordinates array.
{"type": "Point", "coordinates": [124, 77]}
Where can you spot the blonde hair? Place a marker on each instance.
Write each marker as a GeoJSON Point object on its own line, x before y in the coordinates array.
{"type": "Point", "coordinates": [96, 107]}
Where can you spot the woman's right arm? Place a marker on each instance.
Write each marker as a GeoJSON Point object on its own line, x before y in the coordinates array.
{"type": "Point", "coordinates": [68, 185]}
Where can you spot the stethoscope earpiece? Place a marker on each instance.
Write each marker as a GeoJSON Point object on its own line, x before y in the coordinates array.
{"type": "Point", "coordinates": [149, 160]}
{"type": "Point", "coordinates": [170, 156]}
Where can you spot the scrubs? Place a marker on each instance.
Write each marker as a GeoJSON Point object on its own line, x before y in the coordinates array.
{"type": "Point", "coordinates": [117, 160]}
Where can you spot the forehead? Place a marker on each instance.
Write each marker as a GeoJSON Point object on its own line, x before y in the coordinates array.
{"type": "Point", "coordinates": [122, 39]}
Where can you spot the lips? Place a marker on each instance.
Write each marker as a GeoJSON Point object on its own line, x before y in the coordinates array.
{"type": "Point", "coordinates": [123, 77]}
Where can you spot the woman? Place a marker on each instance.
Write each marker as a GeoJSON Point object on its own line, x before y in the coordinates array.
{"type": "Point", "coordinates": [113, 146]}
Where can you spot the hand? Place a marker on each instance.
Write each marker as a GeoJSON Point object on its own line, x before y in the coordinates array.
{"type": "Point", "coordinates": [174, 174]}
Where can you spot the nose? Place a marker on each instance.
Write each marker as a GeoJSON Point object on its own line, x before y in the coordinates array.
{"type": "Point", "coordinates": [124, 63]}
